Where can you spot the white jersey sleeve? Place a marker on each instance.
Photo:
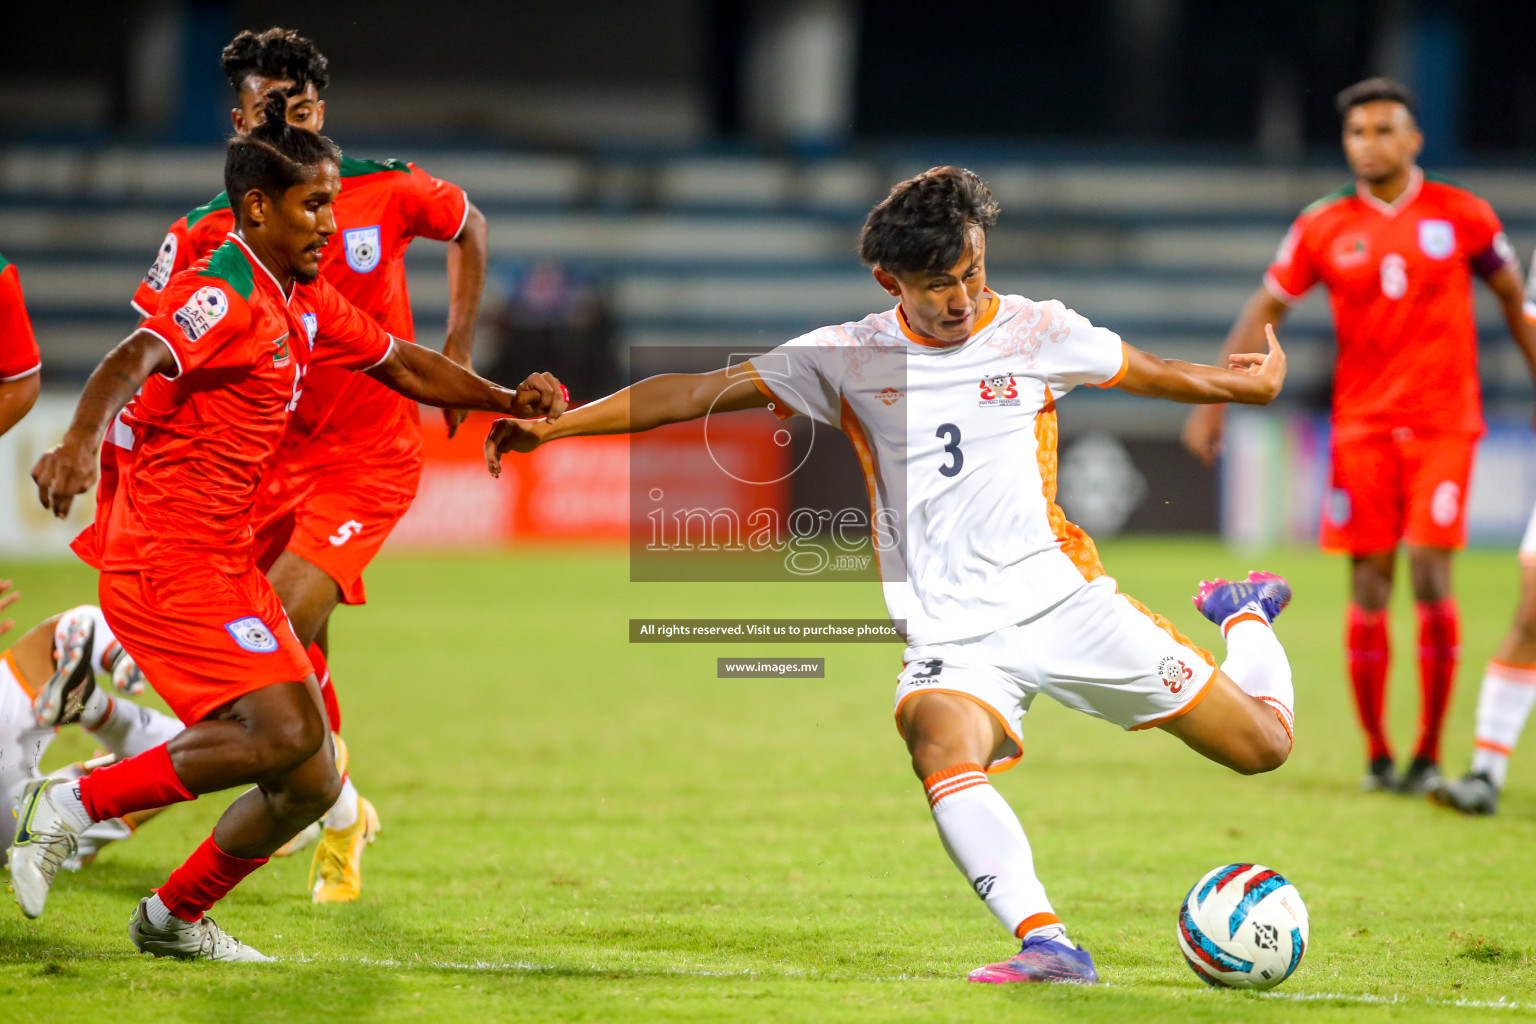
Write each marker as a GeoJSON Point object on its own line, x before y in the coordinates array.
{"type": "Point", "coordinates": [806, 374]}
{"type": "Point", "coordinates": [1085, 354]}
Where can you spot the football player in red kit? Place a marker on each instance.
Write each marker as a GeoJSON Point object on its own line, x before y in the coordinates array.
{"type": "Point", "coordinates": [349, 464]}
{"type": "Point", "coordinates": [1397, 251]}
{"type": "Point", "coordinates": [193, 408]}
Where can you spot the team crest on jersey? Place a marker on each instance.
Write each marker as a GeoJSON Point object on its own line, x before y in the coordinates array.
{"type": "Point", "coordinates": [1437, 238]}
{"type": "Point", "coordinates": [159, 274]}
{"type": "Point", "coordinates": [362, 248]}
{"type": "Point", "coordinates": [205, 308]}
{"type": "Point", "coordinates": [311, 325]}
{"type": "Point", "coordinates": [252, 635]}
{"type": "Point", "coordinates": [998, 390]}
{"type": "Point", "coordinates": [1174, 673]}
{"type": "Point", "coordinates": [280, 353]}
{"type": "Point", "coordinates": [1350, 251]}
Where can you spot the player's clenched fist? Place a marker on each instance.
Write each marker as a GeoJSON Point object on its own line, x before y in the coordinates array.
{"type": "Point", "coordinates": [539, 396]}
{"type": "Point", "coordinates": [64, 471]}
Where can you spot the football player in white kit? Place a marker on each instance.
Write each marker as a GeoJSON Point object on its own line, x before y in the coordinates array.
{"type": "Point", "coordinates": [47, 680]}
{"type": "Point", "coordinates": [1508, 691]}
{"type": "Point", "coordinates": [949, 400]}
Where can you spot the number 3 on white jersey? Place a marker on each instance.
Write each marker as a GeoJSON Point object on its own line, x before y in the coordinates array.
{"type": "Point", "coordinates": [298, 386]}
{"type": "Point", "coordinates": [1394, 276]}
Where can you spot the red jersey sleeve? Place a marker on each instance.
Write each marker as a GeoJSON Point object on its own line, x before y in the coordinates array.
{"type": "Point", "coordinates": [345, 336]}
{"type": "Point", "coordinates": [1293, 271]}
{"type": "Point", "coordinates": [1486, 246]}
{"type": "Point", "coordinates": [434, 208]}
{"type": "Point", "coordinates": [175, 255]}
{"type": "Point", "coordinates": [18, 346]}
{"type": "Point", "coordinates": [206, 322]}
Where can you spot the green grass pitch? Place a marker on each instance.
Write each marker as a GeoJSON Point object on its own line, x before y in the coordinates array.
{"type": "Point", "coordinates": [576, 828]}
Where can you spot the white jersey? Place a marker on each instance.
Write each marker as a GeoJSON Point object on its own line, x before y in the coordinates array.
{"type": "Point", "coordinates": [958, 443]}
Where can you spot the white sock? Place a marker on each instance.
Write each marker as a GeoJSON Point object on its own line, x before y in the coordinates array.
{"type": "Point", "coordinates": [127, 728]}
{"type": "Point", "coordinates": [104, 648]}
{"type": "Point", "coordinates": [985, 840]}
{"type": "Point", "coordinates": [65, 797]}
{"type": "Point", "coordinates": [1256, 662]}
{"type": "Point", "coordinates": [343, 813]}
{"type": "Point", "coordinates": [96, 709]}
{"type": "Point", "coordinates": [1503, 705]}
{"type": "Point", "coordinates": [159, 915]}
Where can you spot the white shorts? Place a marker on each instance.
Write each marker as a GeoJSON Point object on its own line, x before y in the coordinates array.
{"type": "Point", "coordinates": [1097, 651]}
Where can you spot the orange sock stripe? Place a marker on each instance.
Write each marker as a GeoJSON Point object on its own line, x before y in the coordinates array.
{"type": "Point", "coordinates": [1034, 921]}
{"type": "Point", "coordinates": [1509, 672]}
{"type": "Point", "coordinates": [952, 780]}
{"type": "Point", "coordinates": [1286, 716]}
{"type": "Point", "coordinates": [1497, 748]}
{"type": "Point", "coordinates": [9, 658]}
{"type": "Point", "coordinates": [1226, 627]}
{"type": "Point", "coordinates": [950, 772]}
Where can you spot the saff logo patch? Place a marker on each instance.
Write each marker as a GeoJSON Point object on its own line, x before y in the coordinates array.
{"type": "Point", "coordinates": [205, 308]}
{"type": "Point", "coordinates": [1437, 238]}
{"type": "Point", "coordinates": [311, 325]}
{"type": "Point", "coordinates": [362, 248]}
{"type": "Point", "coordinates": [160, 271]}
{"type": "Point", "coordinates": [252, 635]}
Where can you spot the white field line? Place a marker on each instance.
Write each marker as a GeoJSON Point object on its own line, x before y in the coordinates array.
{"type": "Point", "coordinates": [531, 968]}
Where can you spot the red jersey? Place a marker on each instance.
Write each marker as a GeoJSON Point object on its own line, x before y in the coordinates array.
{"type": "Point", "coordinates": [1399, 278]}
{"type": "Point", "coordinates": [18, 347]}
{"type": "Point", "coordinates": [382, 207]}
{"type": "Point", "coordinates": [182, 461]}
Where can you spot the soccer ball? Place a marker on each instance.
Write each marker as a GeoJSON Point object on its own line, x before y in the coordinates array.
{"type": "Point", "coordinates": [1243, 926]}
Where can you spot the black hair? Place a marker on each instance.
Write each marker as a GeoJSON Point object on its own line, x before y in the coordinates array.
{"type": "Point", "coordinates": [273, 156]}
{"type": "Point", "coordinates": [278, 53]}
{"type": "Point", "coordinates": [1373, 90]}
{"type": "Point", "coordinates": [922, 224]}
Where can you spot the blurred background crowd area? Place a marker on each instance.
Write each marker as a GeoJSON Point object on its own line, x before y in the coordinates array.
{"type": "Point", "coordinates": [694, 173]}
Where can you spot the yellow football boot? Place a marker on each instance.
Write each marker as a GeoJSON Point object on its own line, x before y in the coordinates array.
{"type": "Point", "coordinates": [336, 873]}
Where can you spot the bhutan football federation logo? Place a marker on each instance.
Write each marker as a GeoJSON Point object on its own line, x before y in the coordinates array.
{"type": "Point", "coordinates": [362, 248]}
{"type": "Point", "coordinates": [998, 390]}
{"type": "Point", "coordinates": [1174, 673]}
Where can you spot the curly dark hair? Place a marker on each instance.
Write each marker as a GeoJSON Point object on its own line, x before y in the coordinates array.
{"type": "Point", "coordinates": [273, 156]}
{"type": "Point", "coordinates": [922, 224]}
{"type": "Point", "coordinates": [1373, 90]}
{"type": "Point", "coordinates": [277, 53]}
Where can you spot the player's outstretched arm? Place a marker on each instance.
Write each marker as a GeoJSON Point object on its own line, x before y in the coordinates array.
{"type": "Point", "coordinates": [1506, 284]}
{"type": "Point", "coordinates": [1203, 428]}
{"type": "Point", "coordinates": [69, 468]}
{"type": "Point", "coordinates": [468, 255]}
{"type": "Point", "coordinates": [1253, 379]}
{"type": "Point", "coordinates": [434, 379]}
{"type": "Point", "coordinates": [654, 402]}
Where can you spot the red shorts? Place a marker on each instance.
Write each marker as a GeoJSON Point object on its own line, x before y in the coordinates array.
{"type": "Point", "coordinates": [203, 638]}
{"type": "Point", "coordinates": [1399, 486]}
{"type": "Point", "coordinates": [334, 507]}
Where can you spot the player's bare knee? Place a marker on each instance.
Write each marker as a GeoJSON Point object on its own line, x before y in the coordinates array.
{"type": "Point", "coordinates": [293, 741]}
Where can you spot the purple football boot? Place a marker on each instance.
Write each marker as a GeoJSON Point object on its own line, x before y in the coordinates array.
{"type": "Point", "coordinates": [1041, 959]}
{"type": "Point", "coordinates": [1262, 592]}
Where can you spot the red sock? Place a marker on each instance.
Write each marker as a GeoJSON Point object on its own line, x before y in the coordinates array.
{"type": "Point", "coordinates": [1370, 655]}
{"type": "Point", "coordinates": [204, 879]}
{"type": "Point", "coordinates": [1439, 651]}
{"type": "Point", "coordinates": [137, 784]}
{"type": "Point", "coordinates": [327, 691]}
